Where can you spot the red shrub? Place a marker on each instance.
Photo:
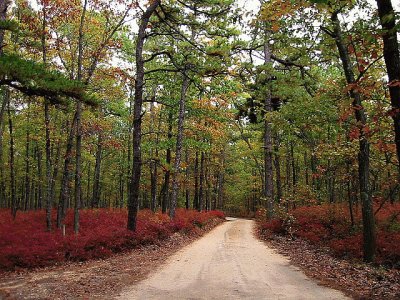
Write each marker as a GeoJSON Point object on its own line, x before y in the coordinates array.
{"type": "Point", "coordinates": [26, 243]}
{"type": "Point", "coordinates": [330, 225]}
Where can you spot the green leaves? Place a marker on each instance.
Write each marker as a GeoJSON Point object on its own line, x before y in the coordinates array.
{"type": "Point", "coordinates": [34, 79]}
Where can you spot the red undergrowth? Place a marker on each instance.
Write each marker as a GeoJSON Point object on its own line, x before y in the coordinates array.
{"type": "Point", "coordinates": [330, 226]}
{"type": "Point", "coordinates": [26, 243]}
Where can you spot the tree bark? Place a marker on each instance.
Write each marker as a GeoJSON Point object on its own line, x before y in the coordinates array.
{"type": "Point", "coordinates": [363, 152]}
{"type": "Point", "coordinates": [3, 200]}
{"type": "Point", "coordinates": [97, 172]}
{"type": "Point", "coordinates": [201, 182]}
{"type": "Point", "coordinates": [66, 178]}
{"type": "Point", "coordinates": [14, 204]}
{"type": "Point", "coordinates": [165, 189]}
{"type": "Point", "coordinates": [137, 116]}
{"type": "Point", "coordinates": [277, 163]}
{"type": "Point", "coordinates": [78, 150]}
{"type": "Point", "coordinates": [268, 159]}
{"type": "Point", "coordinates": [392, 60]}
{"type": "Point", "coordinates": [196, 183]}
{"type": "Point", "coordinates": [179, 141]}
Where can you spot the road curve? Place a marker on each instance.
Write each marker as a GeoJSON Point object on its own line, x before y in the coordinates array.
{"type": "Point", "coordinates": [229, 263]}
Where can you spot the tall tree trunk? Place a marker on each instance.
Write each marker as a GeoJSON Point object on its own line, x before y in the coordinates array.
{"type": "Point", "coordinates": [137, 116]}
{"type": "Point", "coordinates": [363, 153]}
{"type": "Point", "coordinates": [27, 193]}
{"type": "Point", "coordinates": [187, 190]}
{"type": "Point", "coordinates": [78, 150]}
{"type": "Point", "coordinates": [277, 163]}
{"type": "Point", "coordinates": [196, 183]}
{"type": "Point", "coordinates": [179, 141]}
{"type": "Point", "coordinates": [268, 160]}
{"type": "Point", "coordinates": [391, 54]}
{"type": "Point", "coordinates": [97, 172]}
{"type": "Point", "coordinates": [201, 182]}
{"type": "Point", "coordinates": [14, 204]}
{"type": "Point", "coordinates": [153, 161]}
{"type": "Point", "coordinates": [66, 178]}
{"type": "Point", "coordinates": [49, 199]}
{"type": "Point", "coordinates": [40, 177]}
{"type": "Point", "coordinates": [3, 200]}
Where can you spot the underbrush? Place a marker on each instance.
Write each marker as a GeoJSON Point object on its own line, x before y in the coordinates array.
{"type": "Point", "coordinates": [330, 226]}
{"type": "Point", "coordinates": [25, 243]}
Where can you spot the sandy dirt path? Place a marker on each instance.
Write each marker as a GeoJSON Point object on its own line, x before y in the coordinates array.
{"type": "Point", "coordinates": [229, 263]}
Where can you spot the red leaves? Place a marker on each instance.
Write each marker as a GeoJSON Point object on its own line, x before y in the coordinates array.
{"type": "Point", "coordinates": [26, 243]}
{"type": "Point", "coordinates": [330, 226]}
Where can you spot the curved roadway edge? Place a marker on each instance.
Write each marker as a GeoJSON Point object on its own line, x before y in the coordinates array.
{"type": "Point", "coordinates": [229, 263]}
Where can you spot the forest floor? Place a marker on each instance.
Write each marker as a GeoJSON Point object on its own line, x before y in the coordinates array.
{"type": "Point", "coordinates": [93, 279]}
{"type": "Point", "coordinates": [357, 280]}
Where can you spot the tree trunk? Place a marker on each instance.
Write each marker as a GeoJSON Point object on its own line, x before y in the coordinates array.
{"type": "Point", "coordinates": [187, 190]}
{"type": "Point", "coordinates": [179, 141]}
{"type": "Point", "coordinates": [268, 160]}
{"type": "Point", "coordinates": [363, 153]}
{"type": "Point", "coordinates": [392, 60]}
{"type": "Point", "coordinates": [66, 179]}
{"type": "Point", "coordinates": [277, 163]}
{"type": "Point", "coordinates": [196, 183]}
{"type": "Point", "coordinates": [14, 204]}
{"type": "Point", "coordinates": [3, 200]}
{"type": "Point", "coordinates": [201, 182]}
{"type": "Point", "coordinates": [164, 194]}
{"type": "Point", "coordinates": [27, 189]}
{"type": "Point", "coordinates": [78, 150]}
{"type": "Point", "coordinates": [97, 172]}
{"type": "Point", "coordinates": [137, 117]}
{"type": "Point", "coordinates": [153, 162]}
{"type": "Point", "coordinates": [40, 177]}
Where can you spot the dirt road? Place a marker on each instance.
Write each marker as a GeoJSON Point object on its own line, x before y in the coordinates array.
{"type": "Point", "coordinates": [229, 263]}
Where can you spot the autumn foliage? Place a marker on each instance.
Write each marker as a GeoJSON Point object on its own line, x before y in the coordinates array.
{"type": "Point", "coordinates": [26, 243]}
{"type": "Point", "coordinates": [330, 226]}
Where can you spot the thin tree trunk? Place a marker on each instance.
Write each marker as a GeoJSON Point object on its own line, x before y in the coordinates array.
{"type": "Point", "coordinates": [97, 172]}
{"type": "Point", "coordinates": [27, 189]}
{"type": "Point", "coordinates": [187, 190]}
{"type": "Point", "coordinates": [137, 117]}
{"type": "Point", "coordinates": [277, 163]}
{"type": "Point", "coordinates": [66, 178]}
{"type": "Point", "coordinates": [14, 204]}
{"type": "Point", "coordinates": [78, 150]}
{"type": "Point", "coordinates": [179, 141]}
{"type": "Point", "coordinates": [201, 182]}
{"type": "Point", "coordinates": [40, 176]}
{"type": "Point", "coordinates": [153, 162]}
{"type": "Point", "coordinates": [3, 201]}
{"type": "Point", "coordinates": [196, 183]}
{"type": "Point", "coordinates": [268, 160]}
{"type": "Point", "coordinates": [164, 194]}
{"type": "Point", "coordinates": [363, 153]}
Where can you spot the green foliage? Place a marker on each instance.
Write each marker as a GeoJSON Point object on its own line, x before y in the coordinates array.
{"type": "Point", "coordinates": [34, 79]}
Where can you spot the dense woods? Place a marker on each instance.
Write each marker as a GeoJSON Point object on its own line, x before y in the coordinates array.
{"type": "Point", "coordinates": [201, 105]}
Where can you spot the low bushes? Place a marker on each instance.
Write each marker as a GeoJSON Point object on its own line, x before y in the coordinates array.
{"type": "Point", "coordinates": [26, 243]}
{"type": "Point", "coordinates": [330, 226]}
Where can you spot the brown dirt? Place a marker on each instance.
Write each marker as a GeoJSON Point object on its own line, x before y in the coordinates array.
{"type": "Point", "coordinates": [96, 279]}
{"type": "Point", "coordinates": [229, 263]}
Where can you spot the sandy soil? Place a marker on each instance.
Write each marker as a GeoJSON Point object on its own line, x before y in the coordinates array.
{"type": "Point", "coordinates": [229, 263]}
